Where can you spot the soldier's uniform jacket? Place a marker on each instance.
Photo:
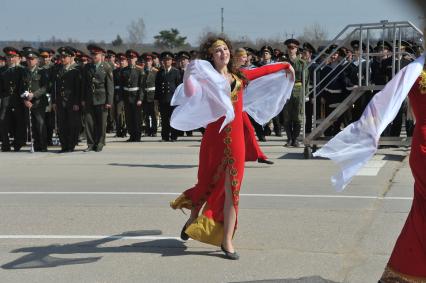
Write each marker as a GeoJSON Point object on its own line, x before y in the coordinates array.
{"type": "Point", "coordinates": [298, 66]}
{"type": "Point", "coordinates": [36, 81]}
{"type": "Point", "coordinates": [98, 84]}
{"type": "Point", "coordinates": [148, 85]}
{"type": "Point", "coordinates": [67, 86]}
{"type": "Point", "coordinates": [116, 74]}
{"type": "Point", "coordinates": [131, 82]}
{"type": "Point", "coordinates": [11, 85]}
{"type": "Point", "coordinates": [166, 84]}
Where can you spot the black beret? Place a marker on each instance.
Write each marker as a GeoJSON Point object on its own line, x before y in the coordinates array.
{"type": "Point", "coordinates": [309, 47]}
{"type": "Point", "coordinates": [166, 55]}
{"type": "Point", "coordinates": [183, 55]}
{"type": "Point", "coordinates": [65, 51]}
{"type": "Point", "coordinates": [266, 48]}
{"type": "Point", "coordinates": [43, 51]}
{"type": "Point", "coordinates": [31, 54]}
{"type": "Point", "coordinates": [130, 53]}
{"type": "Point", "coordinates": [384, 45]}
{"type": "Point", "coordinates": [94, 49]}
{"type": "Point", "coordinates": [292, 41]}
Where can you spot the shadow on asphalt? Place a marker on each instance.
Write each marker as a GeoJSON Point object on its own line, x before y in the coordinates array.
{"type": "Point", "coordinates": [160, 166]}
{"type": "Point", "coordinates": [311, 279]}
{"type": "Point", "coordinates": [41, 256]}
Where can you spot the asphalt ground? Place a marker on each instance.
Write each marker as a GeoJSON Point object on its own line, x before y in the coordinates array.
{"type": "Point", "coordinates": [105, 217]}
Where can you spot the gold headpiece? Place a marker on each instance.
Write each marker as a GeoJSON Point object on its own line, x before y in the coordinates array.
{"type": "Point", "coordinates": [240, 53]}
{"type": "Point", "coordinates": [215, 44]}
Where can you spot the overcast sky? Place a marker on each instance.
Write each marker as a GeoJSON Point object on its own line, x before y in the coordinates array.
{"type": "Point", "coordinates": [98, 20]}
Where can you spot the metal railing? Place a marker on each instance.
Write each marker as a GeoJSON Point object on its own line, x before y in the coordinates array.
{"type": "Point", "coordinates": [390, 31]}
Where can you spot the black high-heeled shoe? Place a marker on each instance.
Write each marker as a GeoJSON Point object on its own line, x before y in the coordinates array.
{"type": "Point", "coordinates": [183, 235]}
{"type": "Point", "coordinates": [229, 255]}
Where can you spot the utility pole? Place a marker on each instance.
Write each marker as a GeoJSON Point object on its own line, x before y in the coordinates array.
{"type": "Point", "coordinates": [221, 20]}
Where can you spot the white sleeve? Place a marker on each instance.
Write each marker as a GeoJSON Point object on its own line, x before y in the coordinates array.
{"type": "Point", "coordinates": [202, 98]}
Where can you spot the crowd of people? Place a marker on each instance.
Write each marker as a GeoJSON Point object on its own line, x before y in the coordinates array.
{"type": "Point", "coordinates": [76, 94]}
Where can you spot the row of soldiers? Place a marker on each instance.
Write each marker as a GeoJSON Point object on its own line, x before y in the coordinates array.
{"type": "Point", "coordinates": [73, 91]}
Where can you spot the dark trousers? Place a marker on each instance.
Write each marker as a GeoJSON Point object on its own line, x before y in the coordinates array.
{"type": "Point", "coordinates": [12, 116]}
{"type": "Point", "coordinates": [167, 132]}
{"type": "Point", "coordinates": [39, 130]}
{"type": "Point", "coordinates": [260, 132]}
{"type": "Point", "coordinates": [49, 119]}
{"type": "Point", "coordinates": [95, 124]}
{"type": "Point", "coordinates": [309, 112]}
{"type": "Point", "coordinates": [69, 123]}
{"type": "Point", "coordinates": [150, 118]}
{"type": "Point", "coordinates": [133, 118]}
{"type": "Point", "coordinates": [120, 122]}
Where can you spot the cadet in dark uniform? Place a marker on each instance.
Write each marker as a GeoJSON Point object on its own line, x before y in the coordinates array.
{"type": "Point", "coordinates": [12, 109]}
{"type": "Point", "coordinates": [148, 87]}
{"type": "Point", "coordinates": [131, 86]}
{"type": "Point", "coordinates": [335, 91]}
{"type": "Point", "coordinates": [66, 100]}
{"type": "Point", "coordinates": [98, 95]}
{"type": "Point", "coordinates": [35, 84]}
{"type": "Point", "coordinates": [45, 63]}
{"type": "Point", "coordinates": [167, 80]}
{"type": "Point", "coordinates": [120, 121]}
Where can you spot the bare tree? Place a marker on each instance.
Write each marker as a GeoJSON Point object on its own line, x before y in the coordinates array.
{"type": "Point", "coordinates": [314, 34]}
{"type": "Point", "coordinates": [136, 31]}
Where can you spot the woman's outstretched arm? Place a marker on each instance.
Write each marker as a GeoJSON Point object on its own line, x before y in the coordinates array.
{"type": "Point", "coordinates": [255, 73]}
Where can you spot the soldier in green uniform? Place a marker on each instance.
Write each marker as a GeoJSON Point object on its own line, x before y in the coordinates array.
{"type": "Point", "coordinates": [12, 109]}
{"type": "Point", "coordinates": [66, 100]}
{"type": "Point", "coordinates": [97, 98]}
{"type": "Point", "coordinates": [148, 88]}
{"type": "Point", "coordinates": [35, 84]}
{"type": "Point", "coordinates": [131, 83]}
{"type": "Point", "coordinates": [120, 121]}
{"type": "Point", "coordinates": [293, 109]}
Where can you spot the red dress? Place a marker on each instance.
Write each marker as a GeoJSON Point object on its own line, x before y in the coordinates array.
{"type": "Point", "coordinates": [220, 153]}
{"type": "Point", "coordinates": [253, 151]}
{"type": "Point", "coordinates": [408, 260]}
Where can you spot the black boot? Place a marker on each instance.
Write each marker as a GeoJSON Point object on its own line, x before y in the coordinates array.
{"type": "Point", "coordinates": [288, 132]}
{"type": "Point", "coordinates": [297, 127]}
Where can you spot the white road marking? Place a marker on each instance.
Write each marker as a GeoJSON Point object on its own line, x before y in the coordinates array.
{"type": "Point", "coordinates": [175, 194]}
{"type": "Point", "coordinates": [87, 237]}
{"type": "Point", "coordinates": [373, 166]}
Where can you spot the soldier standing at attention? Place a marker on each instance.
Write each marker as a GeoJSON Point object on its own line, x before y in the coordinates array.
{"type": "Point", "coordinates": [292, 113]}
{"type": "Point", "coordinates": [131, 84]}
{"type": "Point", "coordinates": [167, 80]}
{"type": "Point", "coordinates": [45, 63]}
{"type": "Point", "coordinates": [98, 94]}
{"type": "Point", "coordinates": [12, 109]}
{"type": "Point", "coordinates": [118, 97]}
{"type": "Point", "coordinates": [148, 85]}
{"type": "Point", "coordinates": [35, 82]}
{"type": "Point", "coordinates": [66, 100]}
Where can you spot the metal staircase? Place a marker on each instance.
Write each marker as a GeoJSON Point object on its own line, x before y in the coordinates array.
{"type": "Point", "coordinates": [365, 34]}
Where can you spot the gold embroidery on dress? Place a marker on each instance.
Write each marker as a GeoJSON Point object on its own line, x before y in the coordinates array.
{"type": "Point", "coordinates": [422, 82]}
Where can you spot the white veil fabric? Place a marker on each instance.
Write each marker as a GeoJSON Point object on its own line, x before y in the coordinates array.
{"type": "Point", "coordinates": [357, 143]}
{"type": "Point", "coordinates": [204, 97]}
{"type": "Point", "coordinates": [266, 96]}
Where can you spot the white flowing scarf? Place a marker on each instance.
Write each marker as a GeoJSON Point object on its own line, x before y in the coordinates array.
{"type": "Point", "coordinates": [203, 97]}
{"type": "Point", "coordinates": [357, 143]}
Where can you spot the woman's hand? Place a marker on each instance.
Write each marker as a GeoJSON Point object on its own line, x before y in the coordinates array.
{"type": "Point", "coordinates": [290, 71]}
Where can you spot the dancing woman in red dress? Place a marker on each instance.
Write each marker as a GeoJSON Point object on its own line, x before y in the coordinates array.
{"type": "Point", "coordinates": [407, 263]}
{"type": "Point", "coordinates": [221, 159]}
